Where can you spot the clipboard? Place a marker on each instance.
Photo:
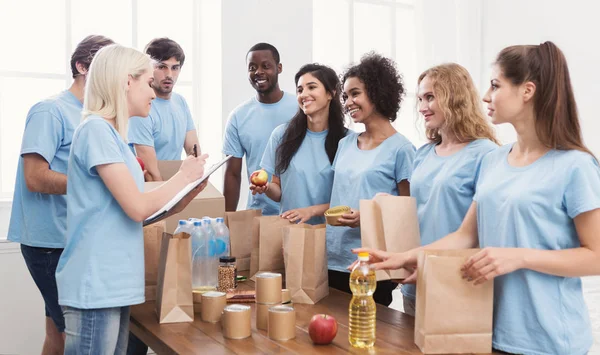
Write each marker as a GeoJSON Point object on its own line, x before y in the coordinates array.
{"type": "Point", "coordinates": [164, 210]}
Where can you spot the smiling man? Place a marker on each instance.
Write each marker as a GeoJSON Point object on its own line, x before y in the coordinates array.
{"type": "Point", "coordinates": [250, 125]}
{"type": "Point", "coordinates": [169, 128]}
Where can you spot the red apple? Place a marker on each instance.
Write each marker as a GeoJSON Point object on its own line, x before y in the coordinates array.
{"type": "Point", "coordinates": [259, 177]}
{"type": "Point", "coordinates": [141, 162]}
{"type": "Point", "coordinates": [322, 329]}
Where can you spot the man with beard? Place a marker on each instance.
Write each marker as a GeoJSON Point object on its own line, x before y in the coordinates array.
{"type": "Point", "coordinates": [250, 125]}
{"type": "Point", "coordinates": [169, 128]}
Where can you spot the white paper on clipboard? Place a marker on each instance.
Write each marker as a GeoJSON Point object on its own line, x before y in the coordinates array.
{"type": "Point", "coordinates": [181, 194]}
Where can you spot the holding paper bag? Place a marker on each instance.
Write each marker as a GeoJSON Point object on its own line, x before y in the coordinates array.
{"type": "Point", "coordinates": [305, 255]}
{"type": "Point", "coordinates": [267, 253]}
{"type": "Point", "coordinates": [389, 223]}
{"type": "Point", "coordinates": [452, 314]}
{"type": "Point", "coordinates": [240, 235]}
{"type": "Point", "coordinates": [174, 303]}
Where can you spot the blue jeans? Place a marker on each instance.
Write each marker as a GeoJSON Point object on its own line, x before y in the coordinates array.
{"type": "Point", "coordinates": [101, 331]}
{"type": "Point", "coordinates": [41, 263]}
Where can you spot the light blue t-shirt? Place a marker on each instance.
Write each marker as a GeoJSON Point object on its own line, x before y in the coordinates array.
{"type": "Point", "coordinates": [444, 189]}
{"type": "Point", "coordinates": [164, 128]}
{"type": "Point", "coordinates": [360, 175]}
{"type": "Point", "coordinates": [533, 207]}
{"type": "Point", "coordinates": [308, 179]}
{"type": "Point", "coordinates": [40, 220]}
{"type": "Point", "coordinates": [103, 261]}
{"type": "Point", "coordinates": [247, 133]}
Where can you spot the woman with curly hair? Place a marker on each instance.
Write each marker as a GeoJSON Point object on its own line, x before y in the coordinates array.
{"type": "Point", "coordinates": [299, 153]}
{"type": "Point", "coordinates": [379, 160]}
{"type": "Point", "coordinates": [446, 169]}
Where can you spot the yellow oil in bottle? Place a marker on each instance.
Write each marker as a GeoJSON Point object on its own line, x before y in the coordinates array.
{"type": "Point", "coordinates": [362, 310]}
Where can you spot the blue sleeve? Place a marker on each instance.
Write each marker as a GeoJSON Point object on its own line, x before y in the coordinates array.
{"type": "Point", "coordinates": [405, 157]}
{"type": "Point", "coordinates": [582, 192]}
{"type": "Point", "coordinates": [97, 144]}
{"type": "Point", "coordinates": [188, 115]}
{"type": "Point", "coordinates": [140, 131]}
{"type": "Point", "coordinates": [43, 135]}
{"type": "Point", "coordinates": [232, 144]}
{"type": "Point", "coordinates": [269, 159]}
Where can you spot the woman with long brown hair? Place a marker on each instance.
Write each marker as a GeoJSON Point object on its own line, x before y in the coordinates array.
{"type": "Point", "coordinates": [536, 212]}
{"type": "Point", "coordinates": [446, 169]}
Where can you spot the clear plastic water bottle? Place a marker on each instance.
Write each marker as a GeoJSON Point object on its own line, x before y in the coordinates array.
{"type": "Point", "coordinates": [200, 261]}
{"type": "Point", "coordinates": [212, 259]}
{"type": "Point", "coordinates": [182, 227]}
{"type": "Point", "coordinates": [222, 238]}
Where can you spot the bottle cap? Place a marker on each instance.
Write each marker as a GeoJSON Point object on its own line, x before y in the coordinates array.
{"type": "Point", "coordinates": [197, 223]}
{"type": "Point", "coordinates": [227, 259]}
{"type": "Point", "coordinates": [182, 222]}
{"type": "Point", "coordinates": [363, 256]}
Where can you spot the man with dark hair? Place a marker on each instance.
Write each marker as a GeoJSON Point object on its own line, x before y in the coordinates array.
{"type": "Point", "coordinates": [169, 128]}
{"type": "Point", "coordinates": [39, 211]}
{"type": "Point", "coordinates": [250, 125]}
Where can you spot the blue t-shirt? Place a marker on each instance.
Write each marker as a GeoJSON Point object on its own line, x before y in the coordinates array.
{"type": "Point", "coordinates": [40, 220]}
{"type": "Point", "coordinates": [533, 207]}
{"type": "Point", "coordinates": [360, 175]}
{"type": "Point", "coordinates": [103, 261]}
{"type": "Point", "coordinates": [309, 177]}
{"type": "Point", "coordinates": [164, 128]}
{"type": "Point", "coordinates": [247, 133]}
{"type": "Point", "coordinates": [444, 189]}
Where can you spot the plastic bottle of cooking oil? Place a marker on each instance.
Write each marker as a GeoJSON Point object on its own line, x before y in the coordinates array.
{"type": "Point", "coordinates": [362, 306]}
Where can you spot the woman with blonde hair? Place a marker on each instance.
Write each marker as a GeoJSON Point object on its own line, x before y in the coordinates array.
{"type": "Point", "coordinates": [446, 169]}
{"type": "Point", "coordinates": [536, 213]}
{"type": "Point", "coordinates": [101, 271]}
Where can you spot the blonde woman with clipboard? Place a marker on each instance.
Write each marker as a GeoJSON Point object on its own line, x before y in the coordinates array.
{"type": "Point", "coordinates": [101, 271]}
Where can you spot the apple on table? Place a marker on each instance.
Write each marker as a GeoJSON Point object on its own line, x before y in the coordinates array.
{"type": "Point", "coordinates": [322, 329]}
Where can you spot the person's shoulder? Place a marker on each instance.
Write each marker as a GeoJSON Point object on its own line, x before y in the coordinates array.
{"type": "Point", "coordinates": [51, 105]}
{"type": "Point", "coordinates": [425, 149]}
{"type": "Point", "coordinates": [401, 141]}
{"type": "Point", "coordinates": [575, 158]}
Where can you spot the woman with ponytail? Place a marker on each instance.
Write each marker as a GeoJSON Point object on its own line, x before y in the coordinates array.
{"type": "Point", "coordinates": [300, 153]}
{"type": "Point", "coordinates": [536, 211]}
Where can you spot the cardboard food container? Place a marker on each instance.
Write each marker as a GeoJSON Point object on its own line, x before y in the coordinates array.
{"type": "Point", "coordinates": [332, 214]}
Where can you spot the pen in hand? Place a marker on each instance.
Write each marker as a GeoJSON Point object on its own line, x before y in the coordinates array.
{"type": "Point", "coordinates": [195, 150]}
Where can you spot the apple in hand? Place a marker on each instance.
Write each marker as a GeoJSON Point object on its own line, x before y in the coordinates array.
{"type": "Point", "coordinates": [322, 329]}
{"type": "Point", "coordinates": [141, 163]}
{"type": "Point", "coordinates": [259, 177]}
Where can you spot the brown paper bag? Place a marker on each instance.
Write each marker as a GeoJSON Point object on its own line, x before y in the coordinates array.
{"type": "Point", "coordinates": [390, 223]}
{"type": "Point", "coordinates": [174, 303]}
{"type": "Point", "coordinates": [240, 235]}
{"type": "Point", "coordinates": [267, 252]}
{"type": "Point", "coordinates": [152, 238]}
{"type": "Point", "coordinates": [452, 315]}
{"type": "Point", "coordinates": [305, 256]}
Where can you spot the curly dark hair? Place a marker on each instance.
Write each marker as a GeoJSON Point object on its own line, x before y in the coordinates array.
{"type": "Point", "coordinates": [384, 85]}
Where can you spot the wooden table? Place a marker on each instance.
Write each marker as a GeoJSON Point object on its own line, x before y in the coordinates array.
{"type": "Point", "coordinates": [394, 332]}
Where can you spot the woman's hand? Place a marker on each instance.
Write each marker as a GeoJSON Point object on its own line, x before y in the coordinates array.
{"type": "Point", "coordinates": [383, 260]}
{"type": "Point", "coordinates": [192, 167]}
{"type": "Point", "coordinates": [489, 263]}
{"type": "Point", "coordinates": [259, 189]}
{"type": "Point", "coordinates": [298, 215]}
{"type": "Point", "coordinates": [351, 219]}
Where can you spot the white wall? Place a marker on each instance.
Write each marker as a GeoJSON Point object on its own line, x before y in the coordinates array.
{"type": "Point", "coordinates": [286, 24]}
{"type": "Point", "coordinates": [572, 25]}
